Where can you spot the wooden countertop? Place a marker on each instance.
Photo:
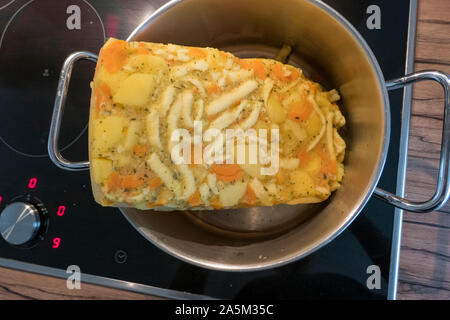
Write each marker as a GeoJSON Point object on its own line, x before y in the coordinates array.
{"type": "Point", "coordinates": [424, 259]}
{"type": "Point", "coordinates": [424, 256]}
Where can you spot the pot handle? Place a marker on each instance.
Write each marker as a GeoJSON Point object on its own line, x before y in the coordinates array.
{"type": "Point", "coordinates": [58, 111]}
{"type": "Point", "coordinates": [442, 192]}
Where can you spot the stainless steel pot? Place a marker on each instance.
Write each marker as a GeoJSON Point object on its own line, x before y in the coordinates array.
{"type": "Point", "coordinates": [324, 44]}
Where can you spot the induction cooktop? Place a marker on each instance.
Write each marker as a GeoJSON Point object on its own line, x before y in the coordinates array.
{"type": "Point", "coordinates": [36, 36]}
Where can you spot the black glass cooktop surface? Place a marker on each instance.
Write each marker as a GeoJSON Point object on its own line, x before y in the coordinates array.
{"type": "Point", "coordinates": [36, 36]}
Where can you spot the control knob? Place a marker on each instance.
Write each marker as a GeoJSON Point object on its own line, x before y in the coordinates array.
{"type": "Point", "coordinates": [20, 223]}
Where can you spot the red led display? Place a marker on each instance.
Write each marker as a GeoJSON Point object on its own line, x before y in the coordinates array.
{"type": "Point", "coordinates": [1, 199]}
{"type": "Point", "coordinates": [61, 210]}
{"type": "Point", "coordinates": [32, 183]}
{"type": "Point", "coordinates": [56, 243]}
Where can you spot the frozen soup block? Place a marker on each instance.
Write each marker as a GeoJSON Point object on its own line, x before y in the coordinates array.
{"type": "Point", "coordinates": [178, 128]}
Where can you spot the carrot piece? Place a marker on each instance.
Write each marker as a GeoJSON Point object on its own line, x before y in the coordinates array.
{"type": "Point", "coordinates": [330, 167]}
{"type": "Point", "coordinates": [226, 169]}
{"type": "Point", "coordinates": [106, 90]}
{"type": "Point", "coordinates": [333, 167]}
{"type": "Point", "coordinates": [322, 154]}
{"type": "Point", "coordinates": [249, 196]}
{"type": "Point", "coordinates": [115, 56]}
{"type": "Point", "coordinates": [257, 65]}
{"type": "Point", "coordinates": [312, 87]}
{"type": "Point", "coordinates": [195, 199]}
{"type": "Point", "coordinates": [99, 60]}
{"type": "Point", "coordinates": [113, 182]}
{"type": "Point", "coordinates": [142, 49]}
{"type": "Point", "coordinates": [154, 183]}
{"type": "Point", "coordinates": [300, 110]}
{"type": "Point", "coordinates": [227, 172]}
{"type": "Point", "coordinates": [215, 202]}
{"type": "Point", "coordinates": [212, 89]}
{"type": "Point", "coordinates": [278, 73]}
{"type": "Point", "coordinates": [294, 75]}
{"type": "Point", "coordinates": [279, 178]}
{"type": "Point", "coordinates": [246, 63]}
{"type": "Point", "coordinates": [225, 55]}
{"type": "Point", "coordinates": [230, 178]}
{"type": "Point", "coordinates": [259, 69]}
{"type": "Point", "coordinates": [130, 181]}
{"type": "Point", "coordinates": [197, 52]}
{"type": "Point", "coordinates": [102, 95]}
{"type": "Point", "coordinates": [140, 150]}
{"type": "Point", "coordinates": [304, 157]}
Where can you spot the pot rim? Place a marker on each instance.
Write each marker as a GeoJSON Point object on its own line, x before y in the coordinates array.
{"type": "Point", "coordinates": [369, 191]}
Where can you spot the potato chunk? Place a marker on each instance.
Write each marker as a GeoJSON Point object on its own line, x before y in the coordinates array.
{"type": "Point", "coordinates": [232, 193]}
{"type": "Point", "coordinates": [313, 125]}
{"type": "Point", "coordinates": [107, 133]}
{"type": "Point", "coordinates": [148, 64]}
{"type": "Point", "coordinates": [275, 110]}
{"type": "Point", "coordinates": [113, 80]}
{"type": "Point", "coordinates": [136, 90]}
{"type": "Point", "coordinates": [299, 132]}
{"type": "Point", "coordinates": [101, 169]}
{"type": "Point", "coordinates": [122, 160]}
{"type": "Point", "coordinates": [302, 184]}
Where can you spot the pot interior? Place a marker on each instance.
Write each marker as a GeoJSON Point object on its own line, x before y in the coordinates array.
{"type": "Point", "coordinates": [328, 53]}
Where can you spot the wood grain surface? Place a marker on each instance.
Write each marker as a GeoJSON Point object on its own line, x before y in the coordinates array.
{"type": "Point", "coordinates": [424, 259]}
{"type": "Point", "coordinates": [424, 256]}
